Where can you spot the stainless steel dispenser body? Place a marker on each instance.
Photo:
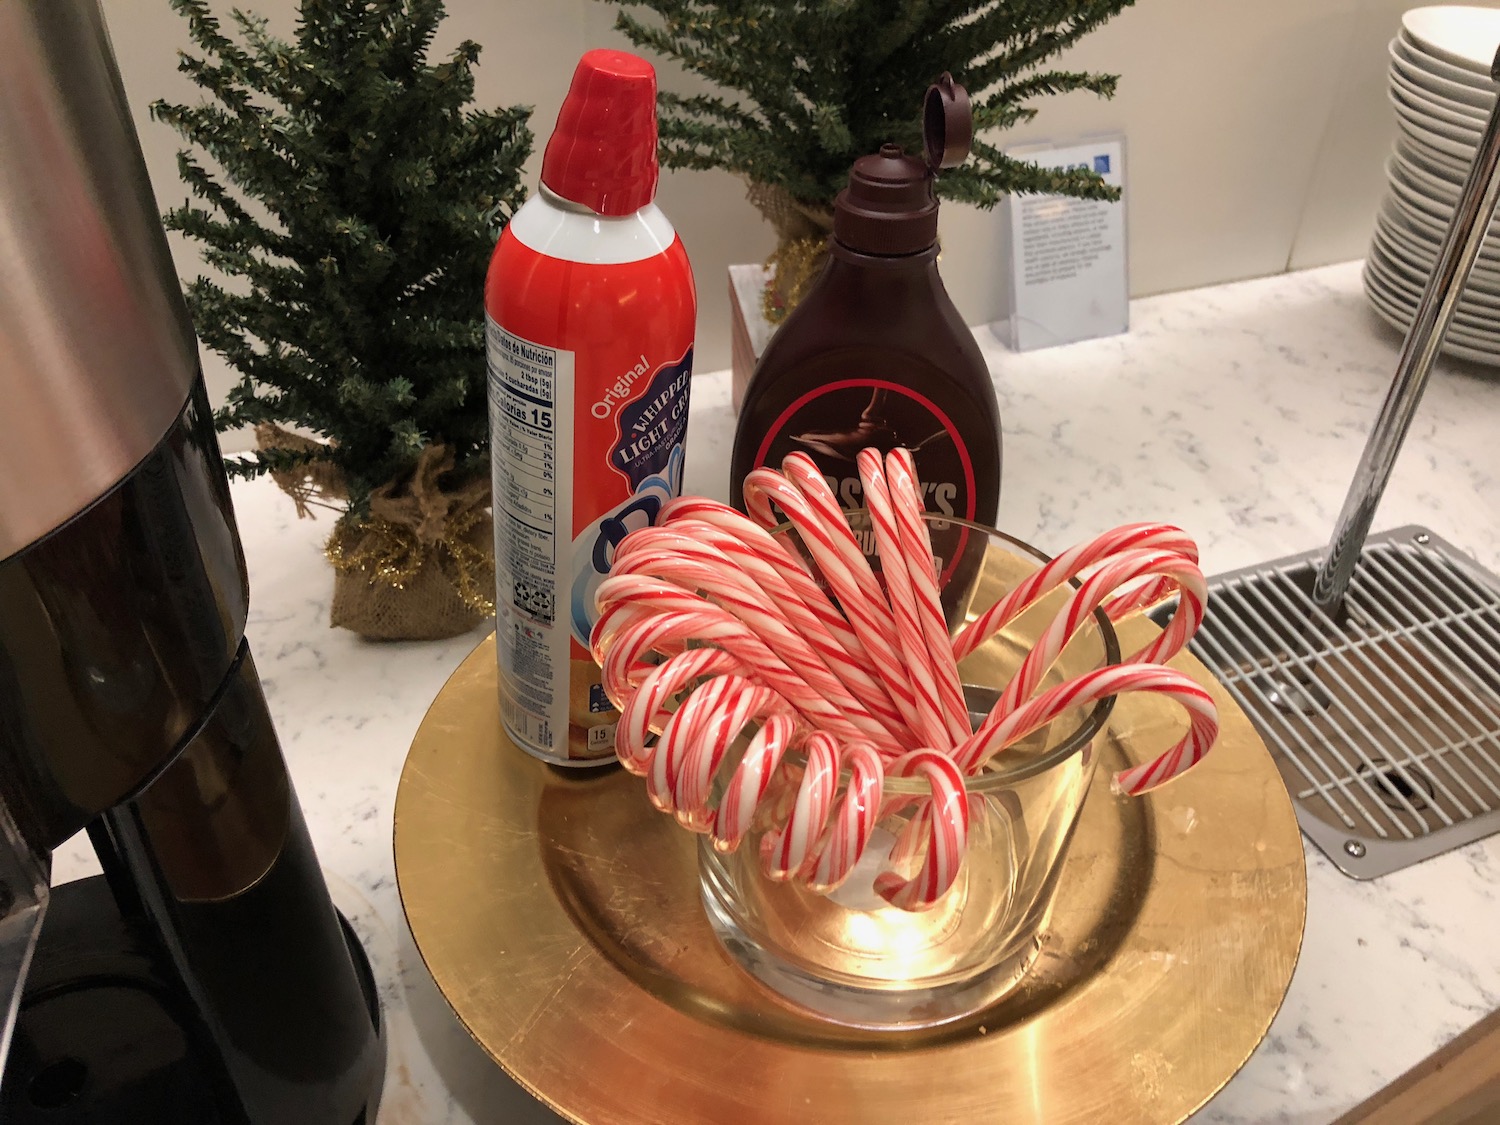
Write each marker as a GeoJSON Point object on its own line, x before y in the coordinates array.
{"type": "Point", "coordinates": [96, 355]}
{"type": "Point", "coordinates": [129, 703]}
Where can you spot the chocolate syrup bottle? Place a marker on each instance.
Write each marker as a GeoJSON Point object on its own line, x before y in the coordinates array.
{"type": "Point", "coordinates": [876, 354]}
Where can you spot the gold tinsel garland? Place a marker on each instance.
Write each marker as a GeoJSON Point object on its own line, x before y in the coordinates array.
{"type": "Point", "coordinates": [394, 554]}
{"type": "Point", "coordinates": [802, 230]}
{"type": "Point", "coordinates": [796, 264]}
{"type": "Point", "coordinates": [412, 522]}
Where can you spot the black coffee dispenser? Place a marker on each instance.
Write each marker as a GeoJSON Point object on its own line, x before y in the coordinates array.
{"type": "Point", "coordinates": [206, 976]}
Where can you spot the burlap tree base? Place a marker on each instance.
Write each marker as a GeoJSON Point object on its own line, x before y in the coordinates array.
{"type": "Point", "coordinates": [802, 231]}
{"type": "Point", "coordinates": [420, 566]}
{"type": "Point", "coordinates": [436, 600]}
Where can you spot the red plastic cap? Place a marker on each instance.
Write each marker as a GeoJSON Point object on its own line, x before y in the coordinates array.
{"type": "Point", "coordinates": [603, 152]}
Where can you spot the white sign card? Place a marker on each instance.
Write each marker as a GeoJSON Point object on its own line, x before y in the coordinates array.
{"type": "Point", "coordinates": [1067, 272]}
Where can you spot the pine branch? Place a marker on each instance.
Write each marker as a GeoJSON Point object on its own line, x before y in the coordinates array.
{"type": "Point", "coordinates": [811, 85]}
{"type": "Point", "coordinates": [974, 184]}
{"type": "Point", "coordinates": [352, 195]}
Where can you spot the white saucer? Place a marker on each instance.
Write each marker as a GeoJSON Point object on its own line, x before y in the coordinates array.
{"type": "Point", "coordinates": [1423, 228]}
{"type": "Point", "coordinates": [1445, 109]}
{"type": "Point", "coordinates": [1401, 322]}
{"type": "Point", "coordinates": [1420, 56]}
{"type": "Point", "coordinates": [1442, 192]}
{"type": "Point", "coordinates": [1420, 256]}
{"type": "Point", "coordinates": [1455, 342]}
{"type": "Point", "coordinates": [1438, 165]}
{"type": "Point", "coordinates": [1417, 203]}
{"type": "Point", "coordinates": [1463, 36]}
{"type": "Point", "coordinates": [1459, 130]}
{"type": "Point", "coordinates": [1426, 228]}
{"type": "Point", "coordinates": [1431, 158]}
{"type": "Point", "coordinates": [1415, 129]}
{"type": "Point", "coordinates": [1476, 310]}
{"type": "Point", "coordinates": [1465, 92]}
{"type": "Point", "coordinates": [1483, 286]}
{"type": "Point", "coordinates": [1420, 265]}
{"type": "Point", "coordinates": [1458, 331]}
{"type": "Point", "coordinates": [1405, 309]}
{"type": "Point", "coordinates": [1482, 328]}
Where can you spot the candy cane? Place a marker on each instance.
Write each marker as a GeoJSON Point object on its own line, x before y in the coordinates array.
{"type": "Point", "coordinates": [785, 849]}
{"type": "Point", "coordinates": [747, 786]}
{"type": "Point", "coordinates": [947, 825]}
{"type": "Point", "coordinates": [1203, 721]}
{"type": "Point", "coordinates": [1124, 568]}
{"type": "Point", "coordinates": [862, 689]}
{"type": "Point", "coordinates": [916, 545]}
{"type": "Point", "coordinates": [660, 614]}
{"type": "Point", "coordinates": [784, 576]}
{"type": "Point", "coordinates": [932, 721]}
{"type": "Point", "coordinates": [842, 564]}
{"type": "Point", "coordinates": [853, 822]}
{"type": "Point", "coordinates": [646, 709]}
{"type": "Point", "coordinates": [737, 524]}
{"type": "Point", "coordinates": [667, 554]}
{"type": "Point", "coordinates": [694, 742]}
{"type": "Point", "coordinates": [1071, 564]}
{"type": "Point", "coordinates": [809, 611]}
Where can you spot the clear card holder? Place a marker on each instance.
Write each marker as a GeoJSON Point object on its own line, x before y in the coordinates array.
{"type": "Point", "coordinates": [1066, 261]}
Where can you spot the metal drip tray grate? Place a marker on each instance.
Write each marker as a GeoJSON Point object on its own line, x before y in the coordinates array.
{"type": "Point", "coordinates": [1386, 722]}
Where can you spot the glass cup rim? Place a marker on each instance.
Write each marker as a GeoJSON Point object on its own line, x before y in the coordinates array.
{"type": "Point", "coordinates": [997, 777]}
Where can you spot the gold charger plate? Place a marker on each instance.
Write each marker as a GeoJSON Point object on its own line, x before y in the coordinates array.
{"type": "Point", "coordinates": [559, 915]}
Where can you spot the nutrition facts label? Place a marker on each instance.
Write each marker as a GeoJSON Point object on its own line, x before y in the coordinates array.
{"type": "Point", "coordinates": [523, 387]}
{"type": "Point", "coordinates": [530, 396]}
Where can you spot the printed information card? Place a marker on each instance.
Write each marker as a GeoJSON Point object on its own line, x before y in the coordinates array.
{"type": "Point", "coordinates": [1067, 263]}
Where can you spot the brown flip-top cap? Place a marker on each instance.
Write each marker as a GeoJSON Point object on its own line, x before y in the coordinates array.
{"type": "Point", "coordinates": [889, 208]}
{"type": "Point", "coordinates": [947, 124]}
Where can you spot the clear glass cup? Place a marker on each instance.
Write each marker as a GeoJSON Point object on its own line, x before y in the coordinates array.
{"type": "Point", "coordinates": [850, 957]}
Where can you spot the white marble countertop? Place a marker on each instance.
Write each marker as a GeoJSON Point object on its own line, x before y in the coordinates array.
{"type": "Point", "coordinates": [1237, 411]}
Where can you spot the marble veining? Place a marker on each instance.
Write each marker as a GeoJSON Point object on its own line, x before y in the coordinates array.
{"type": "Point", "coordinates": [1238, 411]}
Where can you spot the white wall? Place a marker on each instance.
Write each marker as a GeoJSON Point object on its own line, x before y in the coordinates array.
{"type": "Point", "coordinates": [1256, 134]}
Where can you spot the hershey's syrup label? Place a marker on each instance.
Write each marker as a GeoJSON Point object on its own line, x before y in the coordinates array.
{"type": "Point", "coordinates": [833, 422]}
{"type": "Point", "coordinates": [937, 496]}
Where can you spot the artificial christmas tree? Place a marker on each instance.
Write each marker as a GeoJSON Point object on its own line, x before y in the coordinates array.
{"type": "Point", "coordinates": [356, 203]}
{"type": "Point", "coordinates": [812, 85]}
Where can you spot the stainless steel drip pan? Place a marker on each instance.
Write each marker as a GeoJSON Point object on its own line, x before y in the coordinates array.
{"type": "Point", "coordinates": [1385, 722]}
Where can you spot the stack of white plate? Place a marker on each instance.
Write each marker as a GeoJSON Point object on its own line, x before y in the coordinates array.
{"type": "Point", "coordinates": [1441, 88]}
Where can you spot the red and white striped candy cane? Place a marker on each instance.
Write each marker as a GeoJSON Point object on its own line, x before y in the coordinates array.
{"type": "Point", "coordinates": [635, 601]}
{"type": "Point", "coordinates": [842, 564]}
{"type": "Point", "coordinates": [852, 823]}
{"type": "Point", "coordinates": [1203, 719]}
{"type": "Point", "coordinates": [1124, 568]}
{"type": "Point", "coordinates": [916, 547]}
{"type": "Point", "coordinates": [1127, 567]}
{"type": "Point", "coordinates": [668, 554]}
{"type": "Point", "coordinates": [735, 523]}
{"type": "Point", "coordinates": [641, 615]}
{"type": "Point", "coordinates": [947, 823]}
{"type": "Point", "coordinates": [1073, 563]}
{"type": "Point", "coordinates": [786, 848]}
{"type": "Point", "coordinates": [751, 779]}
{"type": "Point", "coordinates": [694, 741]}
{"type": "Point", "coordinates": [811, 613]}
{"type": "Point", "coordinates": [645, 710]}
{"type": "Point", "coordinates": [822, 836]}
{"type": "Point", "coordinates": [695, 737]}
{"type": "Point", "coordinates": [782, 572]}
{"type": "Point", "coordinates": [932, 721]}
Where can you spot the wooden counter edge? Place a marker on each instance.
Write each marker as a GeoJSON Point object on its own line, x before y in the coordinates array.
{"type": "Point", "coordinates": [1456, 1085]}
